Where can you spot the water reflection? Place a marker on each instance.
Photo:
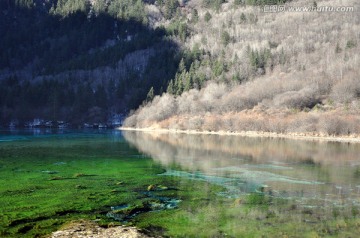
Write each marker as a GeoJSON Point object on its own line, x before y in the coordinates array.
{"type": "Point", "coordinates": [42, 133]}
{"type": "Point", "coordinates": [316, 173]}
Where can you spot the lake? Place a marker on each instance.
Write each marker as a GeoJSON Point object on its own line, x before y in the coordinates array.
{"type": "Point", "coordinates": [178, 185]}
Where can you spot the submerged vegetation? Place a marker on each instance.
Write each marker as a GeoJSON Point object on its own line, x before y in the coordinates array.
{"type": "Point", "coordinates": [243, 210]}
{"type": "Point", "coordinates": [203, 65]}
{"type": "Point", "coordinates": [51, 180]}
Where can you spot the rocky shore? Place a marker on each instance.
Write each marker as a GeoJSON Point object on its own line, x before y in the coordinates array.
{"type": "Point", "coordinates": [86, 229]}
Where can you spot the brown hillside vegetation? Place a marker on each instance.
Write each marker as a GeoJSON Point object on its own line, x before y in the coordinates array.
{"type": "Point", "coordinates": [308, 82]}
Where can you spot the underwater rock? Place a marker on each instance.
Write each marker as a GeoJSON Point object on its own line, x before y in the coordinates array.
{"type": "Point", "coordinates": [151, 187]}
{"type": "Point", "coordinates": [49, 172]}
{"type": "Point", "coordinates": [155, 205]}
{"type": "Point", "coordinates": [78, 186]}
{"type": "Point", "coordinates": [172, 203]}
{"type": "Point", "coordinates": [161, 188]}
{"type": "Point", "coordinates": [125, 212]}
{"type": "Point", "coordinates": [77, 175]}
{"type": "Point", "coordinates": [119, 207]}
{"type": "Point", "coordinates": [56, 178]}
{"type": "Point", "coordinates": [262, 188]}
{"type": "Point", "coordinates": [85, 228]}
{"type": "Point", "coordinates": [238, 201]}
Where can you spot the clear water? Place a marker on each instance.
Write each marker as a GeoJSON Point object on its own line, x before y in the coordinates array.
{"type": "Point", "coordinates": [314, 173]}
{"type": "Point", "coordinates": [178, 185]}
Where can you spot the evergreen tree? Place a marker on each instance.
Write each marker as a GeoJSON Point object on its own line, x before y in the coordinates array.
{"type": "Point", "coordinates": [24, 3]}
{"type": "Point", "coordinates": [225, 38]}
{"type": "Point", "coordinates": [182, 66]}
{"type": "Point", "coordinates": [242, 18]}
{"type": "Point", "coordinates": [282, 57]}
{"type": "Point", "coordinates": [170, 87]}
{"type": "Point", "coordinates": [215, 4]}
{"type": "Point", "coordinates": [183, 31]}
{"type": "Point", "coordinates": [207, 16]}
{"type": "Point", "coordinates": [170, 8]}
{"type": "Point", "coordinates": [179, 86]}
{"type": "Point", "coordinates": [150, 96]}
{"type": "Point", "coordinates": [194, 16]}
{"type": "Point", "coordinates": [188, 82]}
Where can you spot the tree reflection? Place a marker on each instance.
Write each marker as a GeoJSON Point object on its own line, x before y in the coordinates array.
{"type": "Point", "coordinates": [281, 167]}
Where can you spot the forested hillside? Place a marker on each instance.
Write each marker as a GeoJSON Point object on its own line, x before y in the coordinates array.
{"type": "Point", "coordinates": [80, 60]}
{"type": "Point", "coordinates": [284, 72]}
{"type": "Point", "coordinates": [215, 65]}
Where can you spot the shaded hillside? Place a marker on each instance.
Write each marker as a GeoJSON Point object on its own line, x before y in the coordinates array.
{"type": "Point", "coordinates": [78, 60]}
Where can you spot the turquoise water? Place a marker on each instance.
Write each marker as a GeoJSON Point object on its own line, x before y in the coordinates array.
{"type": "Point", "coordinates": [177, 185]}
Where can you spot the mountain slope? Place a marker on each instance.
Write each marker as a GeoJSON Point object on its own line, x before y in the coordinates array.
{"type": "Point", "coordinates": [79, 60]}
{"type": "Point", "coordinates": [288, 72]}
{"type": "Point", "coordinates": [225, 65]}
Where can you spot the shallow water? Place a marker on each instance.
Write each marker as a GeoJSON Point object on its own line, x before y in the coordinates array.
{"type": "Point", "coordinates": [51, 177]}
{"type": "Point", "coordinates": [178, 185]}
{"type": "Point", "coordinates": [280, 165]}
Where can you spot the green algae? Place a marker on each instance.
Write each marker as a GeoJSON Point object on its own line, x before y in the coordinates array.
{"type": "Point", "coordinates": [49, 181]}
{"type": "Point", "coordinates": [35, 200]}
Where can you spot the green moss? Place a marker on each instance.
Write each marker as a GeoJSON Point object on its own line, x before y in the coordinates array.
{"type": "Point", "coordinates": [36, 202]}
{"type": "Point", "coordinates": [99, 173]}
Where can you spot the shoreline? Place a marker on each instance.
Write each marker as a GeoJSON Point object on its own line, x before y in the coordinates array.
{"type": "Point", "coordinates": [87, 228]}
{"type": "Point", "coordinates": [293, 136]}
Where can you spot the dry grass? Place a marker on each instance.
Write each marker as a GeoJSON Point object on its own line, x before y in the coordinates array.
{"type": "Point", "coordinates": [311, 83]}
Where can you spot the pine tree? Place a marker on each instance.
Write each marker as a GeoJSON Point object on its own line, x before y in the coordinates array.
{"type": "Point", "coordinates": [225, 38]}
{"type": "Point", "coordinates": [238, 2]}
{"type": "Point", "coordinates": [282, 57]}
{"type": "Point", "coordinates": [179, 86]}
{"type": "Point", "coordinates": [170, 8]}
{"type": "Point", "coordinates": [182, 66]}
{"type": "Point", "coordinates": [195, 16]}
{"type": "Point", "coordinates": [242, 18]}
{"type": "Point", "coordinates": [170, 87]}
{"type": "Point", "coordinates": [188, 82]}
{"type": "Point", "coordinates": [207, 16]}
{"type": "Point", "coordinates": [150, 96]}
